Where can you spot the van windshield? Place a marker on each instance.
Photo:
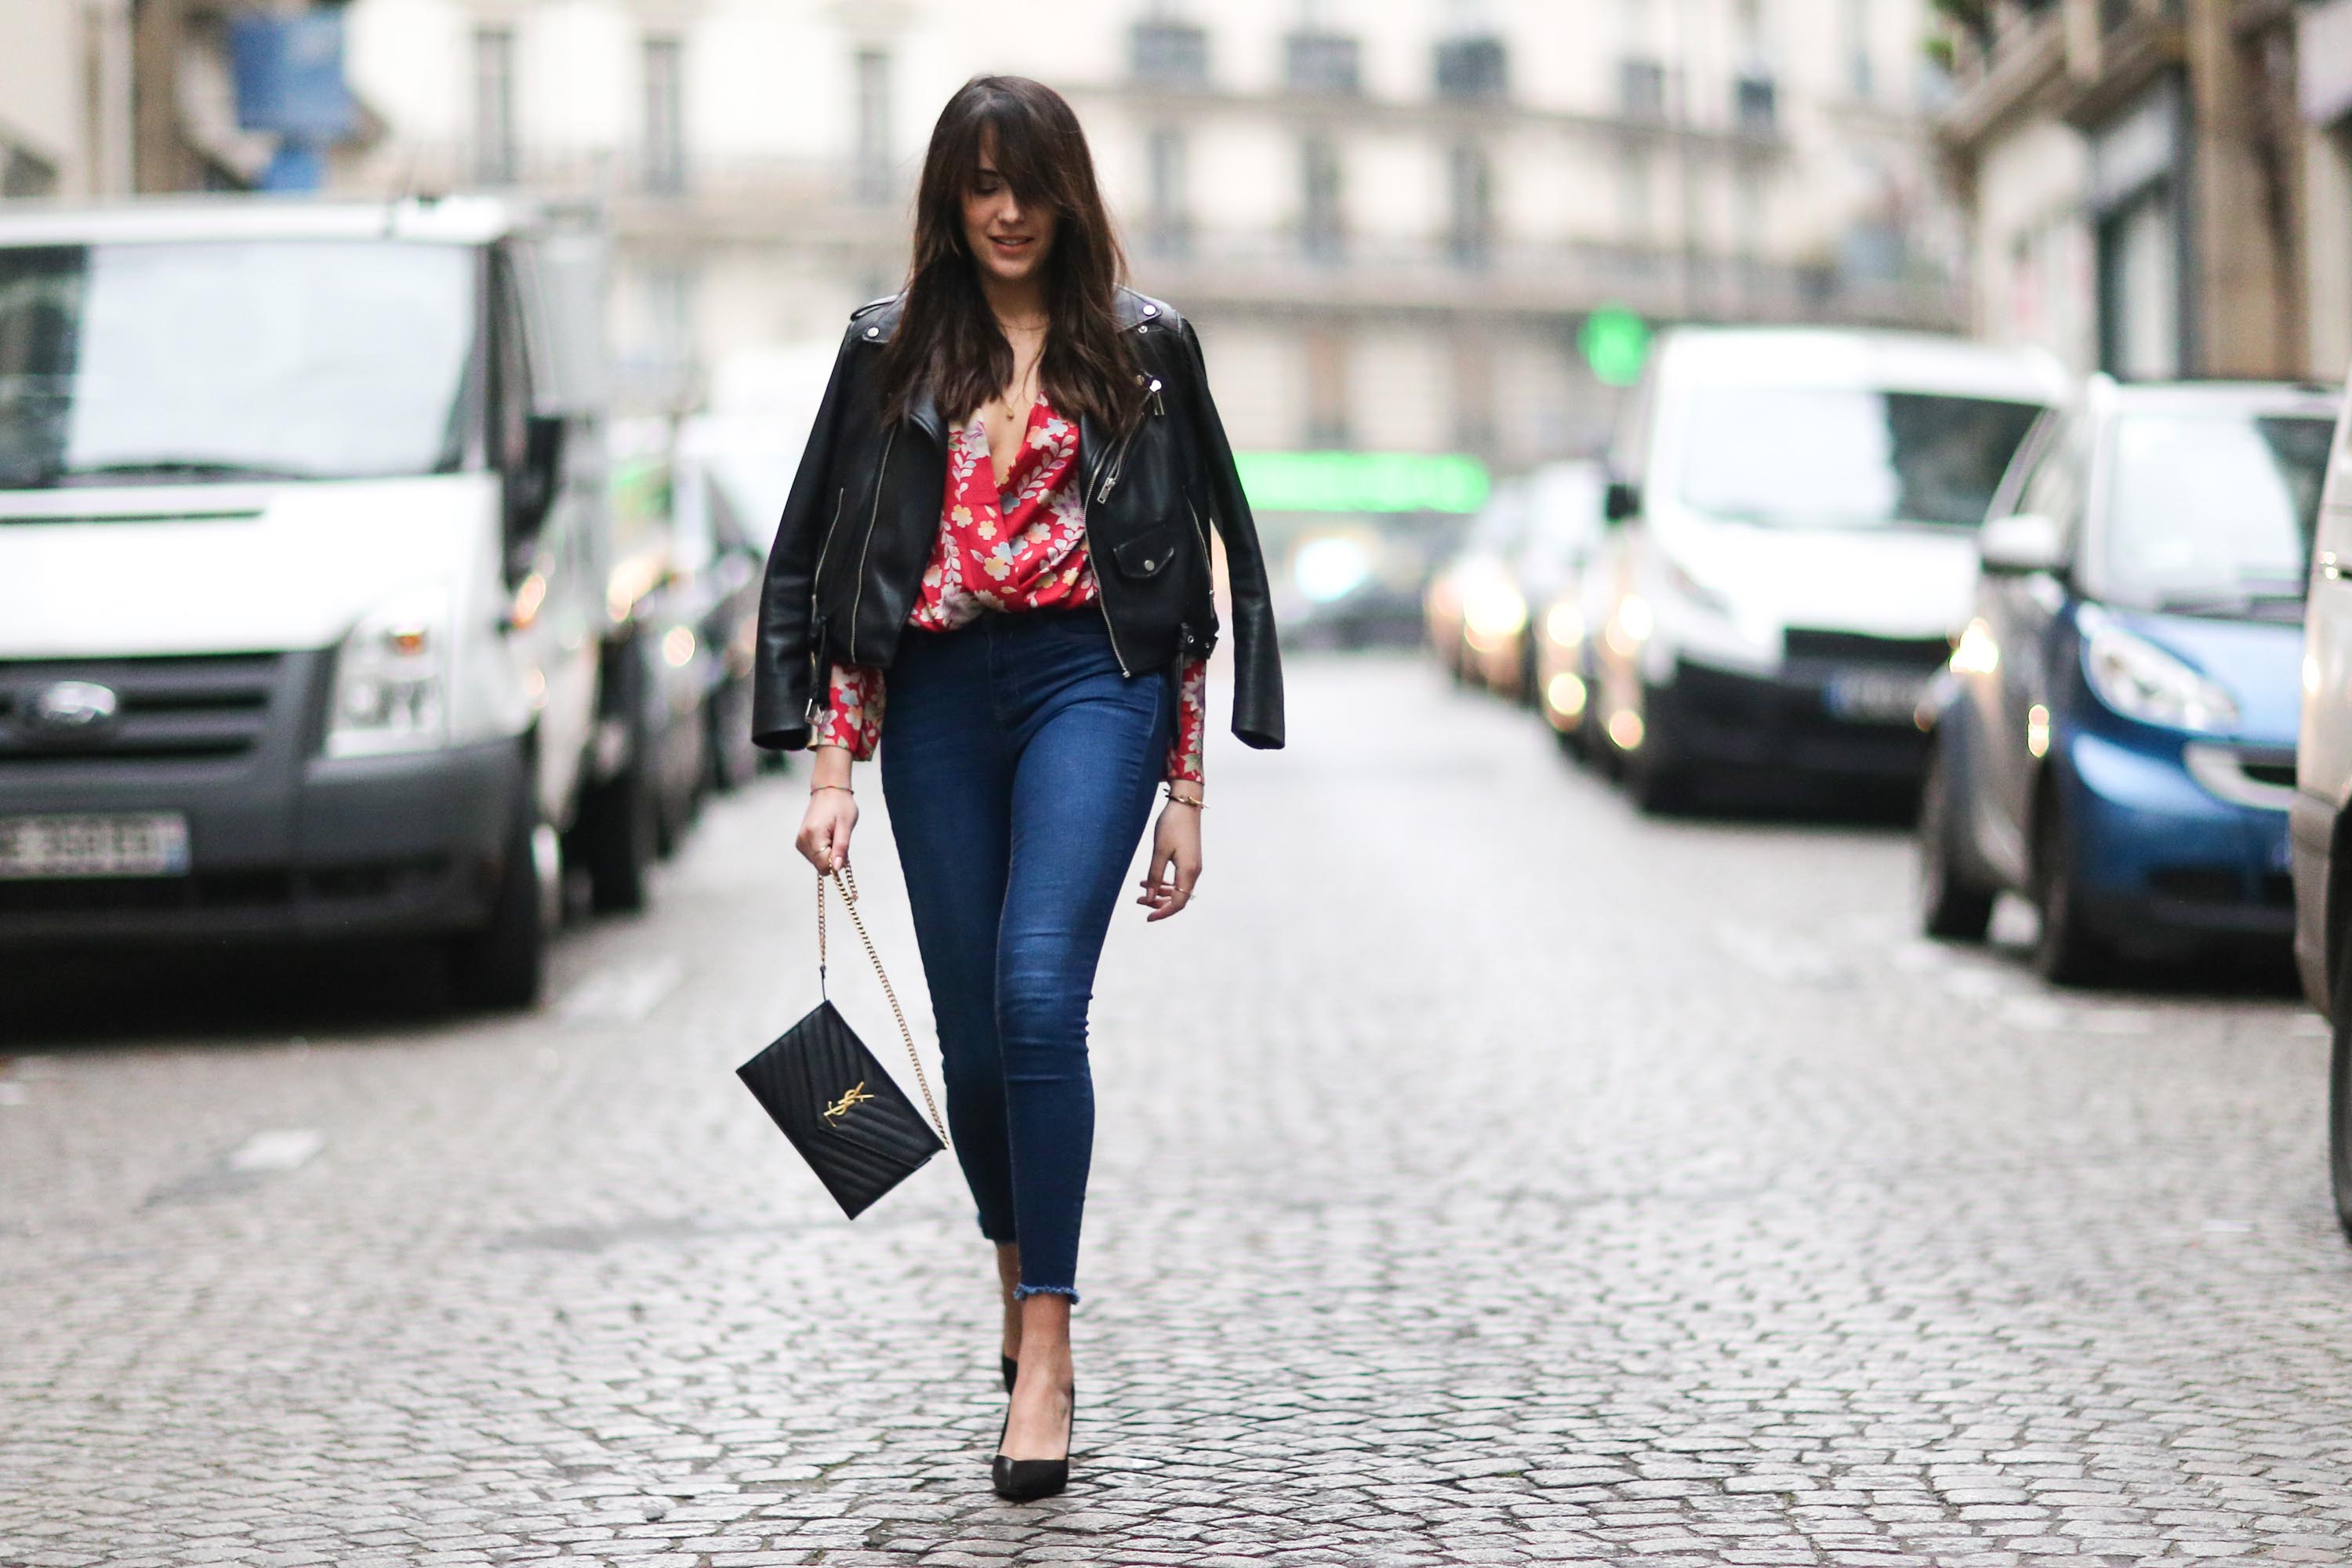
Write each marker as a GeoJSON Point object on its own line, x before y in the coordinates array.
{"type": "Point", "coordinates": [1822, 457]}
{"type": "Point", "coordinates": [2212, 507]}
{"type": "Point", "coordinates": [270, 359]}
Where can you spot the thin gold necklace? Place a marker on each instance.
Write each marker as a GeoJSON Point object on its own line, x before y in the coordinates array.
{"type": "Point", "coordinates": [1019, 400]}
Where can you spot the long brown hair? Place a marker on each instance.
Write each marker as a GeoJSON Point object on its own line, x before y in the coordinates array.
{"type": "Point", "coordinates": [947, 340]}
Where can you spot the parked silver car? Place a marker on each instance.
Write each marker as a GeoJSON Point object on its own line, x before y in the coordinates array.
{"type": "Point", "coordinates": [2320, 816]}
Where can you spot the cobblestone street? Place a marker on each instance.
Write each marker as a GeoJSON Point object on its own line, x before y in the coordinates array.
{"type": "Point", "coordinates": [1485, 1174]}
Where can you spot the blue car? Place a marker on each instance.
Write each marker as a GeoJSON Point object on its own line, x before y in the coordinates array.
{"type": "Point", "coordinates": [2114, 738]}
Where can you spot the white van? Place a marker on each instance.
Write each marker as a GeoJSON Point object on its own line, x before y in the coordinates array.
{"type": "Point", "coordinates": [304, 544]}
{"type": "Point", "coordinates": [1800, 509]}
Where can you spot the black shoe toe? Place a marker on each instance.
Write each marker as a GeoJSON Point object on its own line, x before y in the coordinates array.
{"type": "Point", "coordinates": [1026, 1481]}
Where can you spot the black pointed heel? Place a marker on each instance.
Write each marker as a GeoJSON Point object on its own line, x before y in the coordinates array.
{"type": "Point", "coordinates": [1026, 1481]}
{"type": "Point", "coordinates": [1012, 1371]}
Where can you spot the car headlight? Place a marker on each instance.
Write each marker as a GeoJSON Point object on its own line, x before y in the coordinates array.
{"type": "Point", "coordinates": [392, 680]}
{"type": "Point", "coordinates": [1493, 610]}
{"type": "Point", "coordinates": [2140, 680]}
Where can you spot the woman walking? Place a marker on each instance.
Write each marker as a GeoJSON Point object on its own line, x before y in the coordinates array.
{"type": "Point", "coordinates": [994, 568]}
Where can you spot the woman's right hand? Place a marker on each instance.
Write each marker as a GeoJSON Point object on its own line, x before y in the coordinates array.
{"type": "Point", "coordinates": [832, 811]}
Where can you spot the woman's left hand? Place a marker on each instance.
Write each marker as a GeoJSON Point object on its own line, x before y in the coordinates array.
{"type": "Point", "coordinates": [1175, 862]}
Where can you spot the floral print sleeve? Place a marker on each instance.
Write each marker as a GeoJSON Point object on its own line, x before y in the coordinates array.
{"type": "Point", "coordinates": [1192, 723]}
{"type": "Point", "coordinates": [853, 710]}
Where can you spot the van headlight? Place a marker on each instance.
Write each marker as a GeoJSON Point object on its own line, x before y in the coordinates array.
{"type": "Point", "coordinates": [2140, 680]}
{"type": "Point", "coordinates": [1493, 610]}
{"type": "Point", "coordinates": [392, 680]}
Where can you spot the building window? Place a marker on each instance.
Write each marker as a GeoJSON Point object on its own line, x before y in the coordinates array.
{"type": "Point", "coordinates": [1169, 54]}
{"type": "Point", "coordinates": [1319, 226]}
{"type": "Point", "coordinates": [1323, 63]}
{"type": "Point", "coordinates": [873, 129]}
{"type": "Point", "coordinates": [1642, 87]}
{"type": "Point", "coordinates": [1749, 209]}
{"type": "Point", "coordinates": [1633, 181]}
{"type": "Point", "coordinates": [1755, 104]}
{"type": "Point", "coordinates": [665, 115]}
{"type": "Point", "coordinates": [669, 315]}
{"type": "Point", "coordinates": [1473, 392]}
{"type": "Point", "coordinates": [1473, 70]}
{"type": "Point", "coordinates": [1326, 388]}
{"type": "Point", "coordinates": [1857, 46]}
{"type": "Point", "coordinates": [1168, 230]}
{"type": "Point", "coordinates": [496, 156]}
{"type": "Point", "coordinates": [1471, 183]}
{"type": "Point", "coordinates": [2139, 288]}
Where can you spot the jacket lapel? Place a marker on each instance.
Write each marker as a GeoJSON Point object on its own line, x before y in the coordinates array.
{"type": "Point", "coordinates": [1091, 451]}
{"type": "Point", "coordinates": [923, 413]}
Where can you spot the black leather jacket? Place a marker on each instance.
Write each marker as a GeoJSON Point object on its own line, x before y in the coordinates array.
{"type": "Point", "coordinates": [864, 513]}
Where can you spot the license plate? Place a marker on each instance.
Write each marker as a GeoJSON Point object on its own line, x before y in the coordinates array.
{"type": "Point", "coordinates": [1875, 697]}
{"type": "Point", "coordinates": [153, 844]}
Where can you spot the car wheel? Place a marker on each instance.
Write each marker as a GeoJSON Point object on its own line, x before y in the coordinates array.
{"type": "Point", "coordinates": [2067, 951]}
{"type": "Point", "coordinates": [733, 758]}
{"type": "Point", "coordinates": [1658, 783]}
{"type": "Point", "coordinates": [1600, 751]}
{"type": "Point", "coordinates": [503, 966]}
{"type": "Point", "coordinates": [1952, 906]}
{"type": "Point", "coordinates": [682, 771]}
{"type": "Point", "coordinates": [618, 826]}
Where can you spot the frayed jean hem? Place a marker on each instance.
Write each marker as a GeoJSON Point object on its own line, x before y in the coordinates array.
{"type": "Point", "coordinates": [1023, 1293]}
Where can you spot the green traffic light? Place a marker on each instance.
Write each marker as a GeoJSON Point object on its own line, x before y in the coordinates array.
{"type": "Point", "coordinates": [1616, 344]}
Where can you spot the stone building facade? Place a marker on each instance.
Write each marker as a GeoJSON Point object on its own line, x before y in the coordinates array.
{"type": "Point", "coordinates": [1393, 219]}
{"type": "Point", "coordinates": [2158, 188]}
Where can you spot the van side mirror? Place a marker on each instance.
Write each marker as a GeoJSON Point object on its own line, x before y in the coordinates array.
{"type": "Point", "coordinates": [1621, 501]}
{"type": "Point", "coordinates": [2022, 544]}
{"type": "Point", "coordinates": [532, 488]}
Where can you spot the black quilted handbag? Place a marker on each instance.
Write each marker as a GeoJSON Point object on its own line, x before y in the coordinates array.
{"type": "Point", "coordinates": [855, 1127]}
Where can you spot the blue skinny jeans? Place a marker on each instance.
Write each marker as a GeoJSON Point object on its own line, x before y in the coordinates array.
{"type": "Point", "coordinates": [1019, 765]}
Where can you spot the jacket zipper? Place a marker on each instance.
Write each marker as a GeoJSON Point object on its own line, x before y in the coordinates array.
{"type": "Point", "coordinates": [1110, 473]}
{"type": "Point", "coordinates": [881, 476]}
{"type": "Point", "coordinates": [839, 502]}
{"type": "Point", "coordinates": [1102, 591]}
{"type": "Point", "coordinates": [1102, 582]}
{"type": "Point", "coordinates": [1110, 470]}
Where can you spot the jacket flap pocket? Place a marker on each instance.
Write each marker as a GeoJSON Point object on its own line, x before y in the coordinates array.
{"type": "Point", "coordinates": [1146, 553]}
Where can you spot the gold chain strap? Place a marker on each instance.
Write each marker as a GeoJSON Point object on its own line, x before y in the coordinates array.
{"type": "Point", "coordinates": [848, 882]}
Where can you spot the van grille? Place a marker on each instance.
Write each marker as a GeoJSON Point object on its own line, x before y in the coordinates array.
{"type": "Point", "coordinates": [1858, 647]}
{"type": "Point", "coordinates": [199, 708]}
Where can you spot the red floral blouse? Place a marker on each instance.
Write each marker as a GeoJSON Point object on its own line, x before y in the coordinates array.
{"type": "Point", "coordinates": [1018, 546]}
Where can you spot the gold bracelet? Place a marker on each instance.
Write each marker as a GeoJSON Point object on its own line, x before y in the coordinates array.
{"type": "Point", "coordinates": [1194, 801]}
{"type": "Point", "coordinates": [843, 788]}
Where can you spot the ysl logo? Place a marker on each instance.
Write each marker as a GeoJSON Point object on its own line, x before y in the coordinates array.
{"type": "Point", "coordinates": [841, 1108]}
